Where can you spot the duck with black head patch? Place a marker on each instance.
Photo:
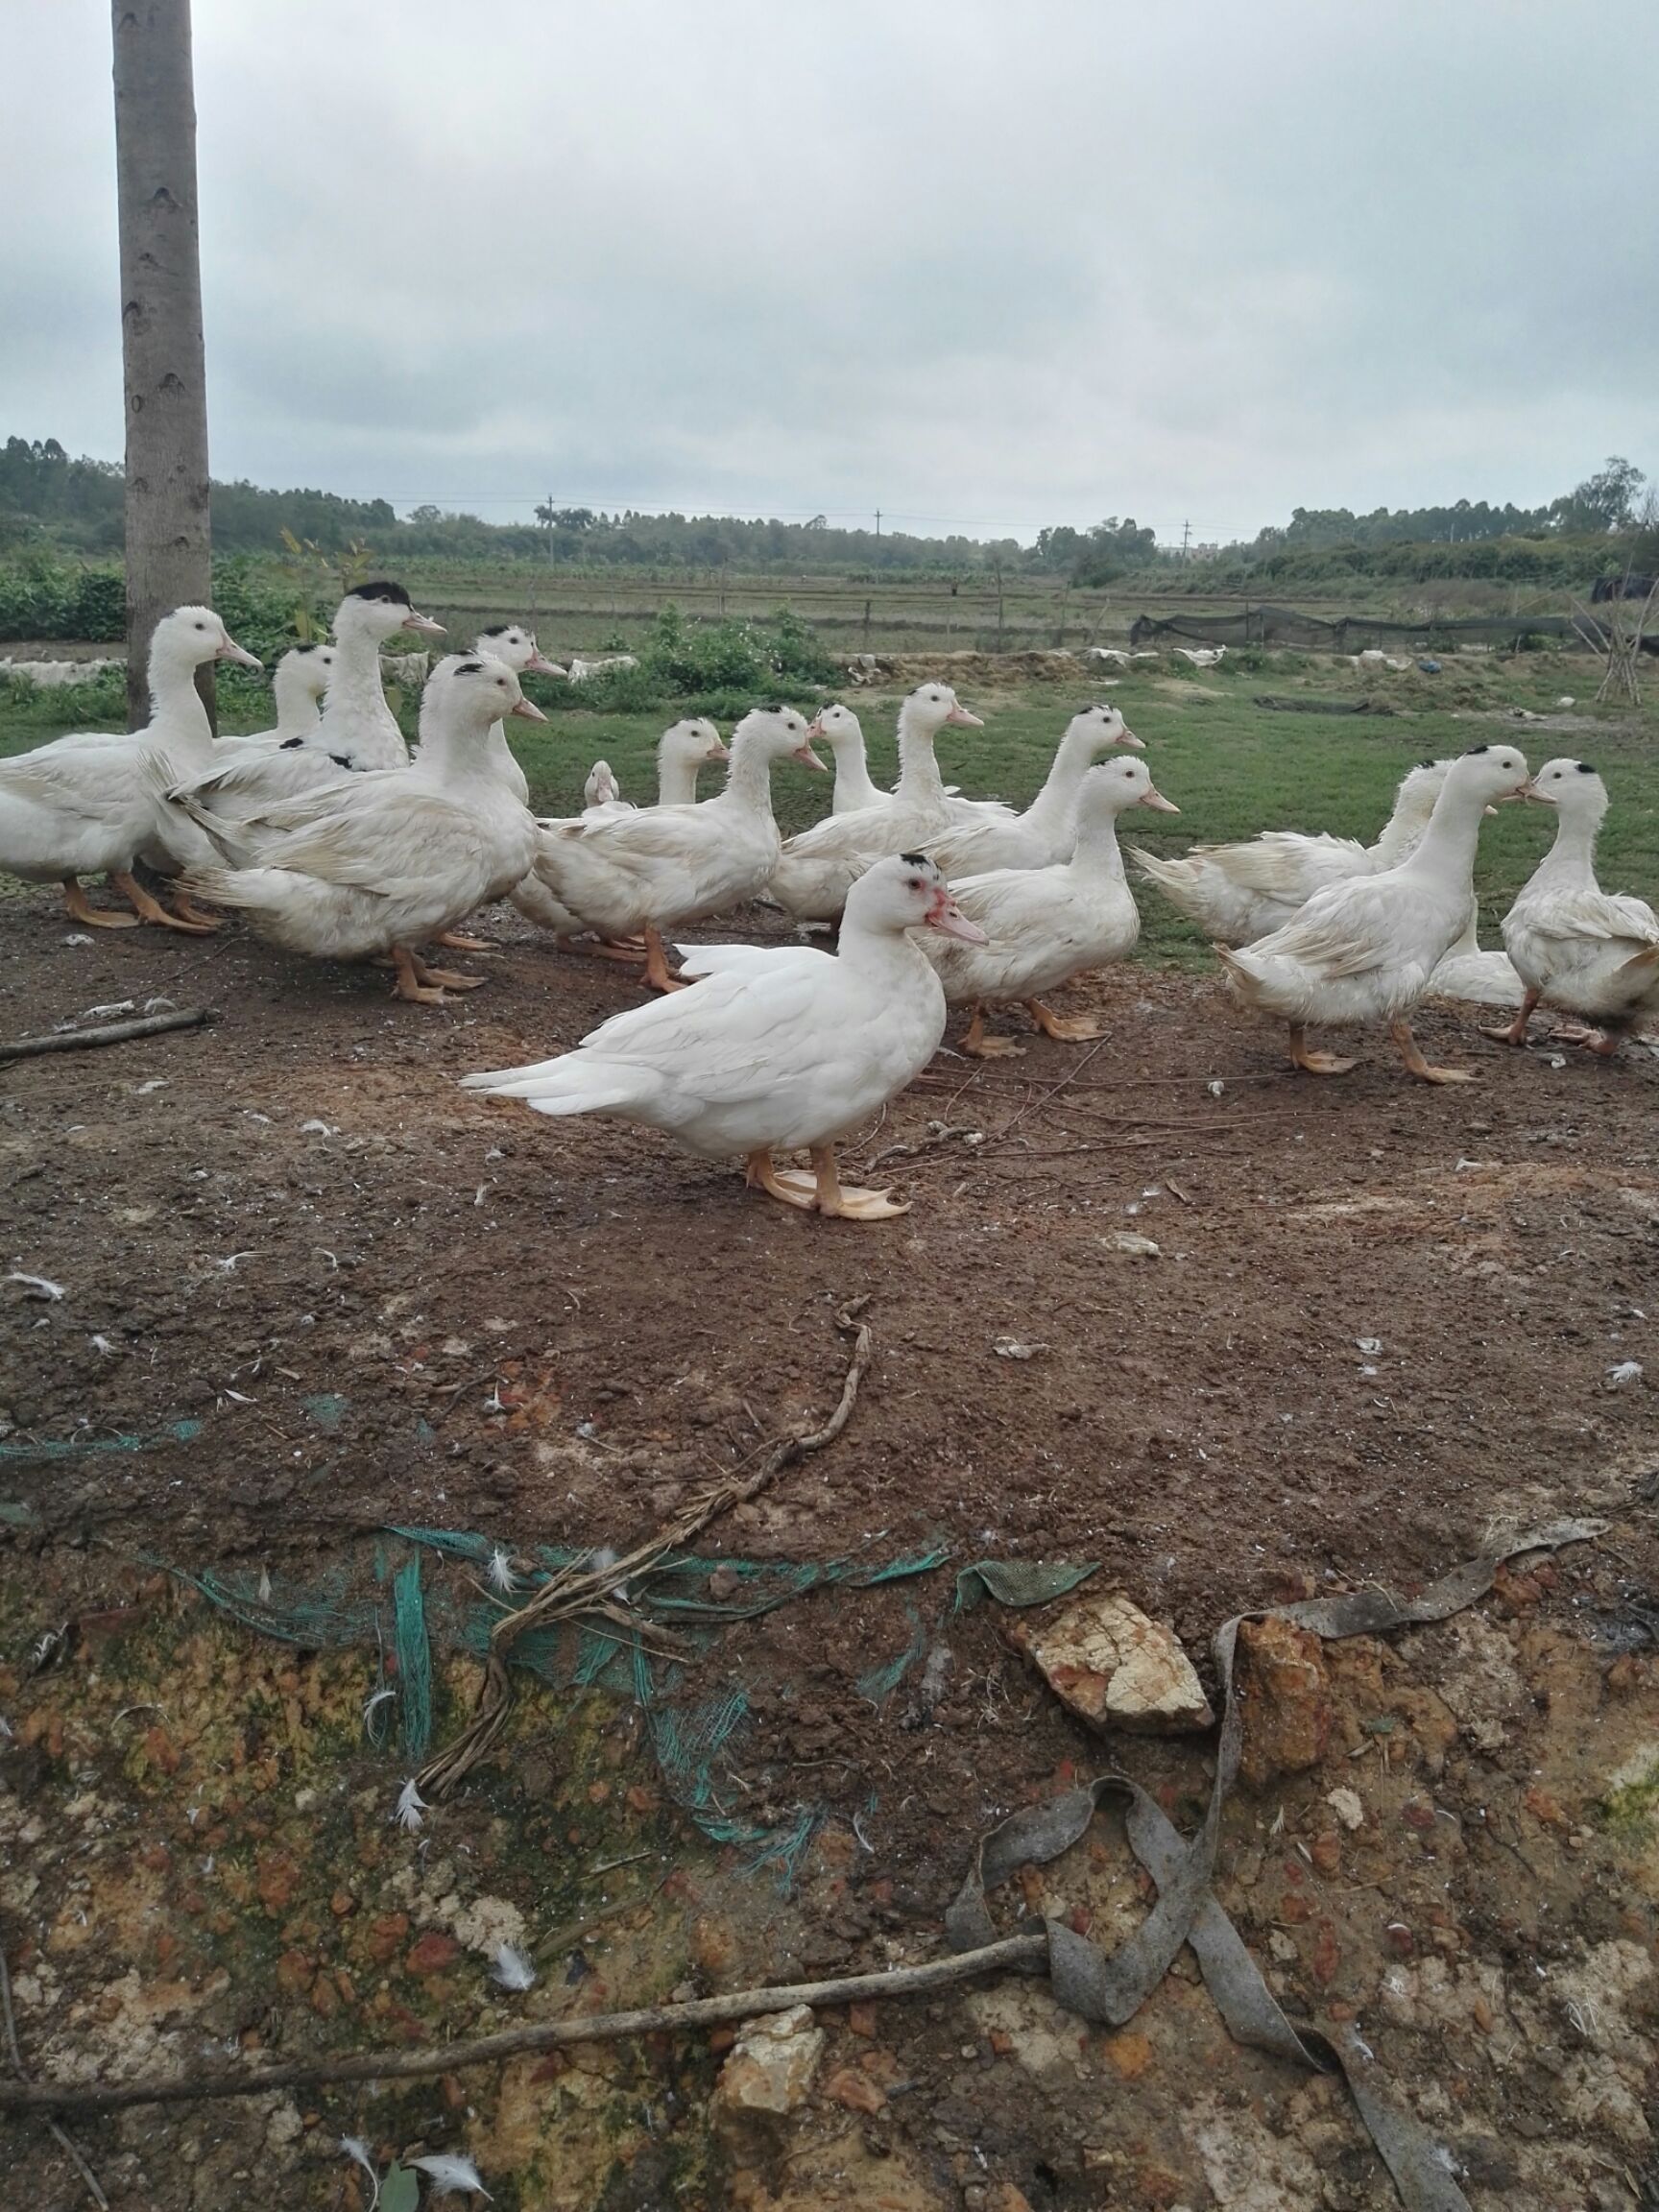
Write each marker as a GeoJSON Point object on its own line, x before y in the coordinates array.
{"type": "Point", "coordinates": [357, 728]}
{"type": "Point", "coordinates": [1591, 952]}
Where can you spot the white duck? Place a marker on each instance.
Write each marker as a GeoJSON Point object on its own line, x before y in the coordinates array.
{"type": "Point", "coordinates": [380, 862]}
{"type": "Point", "coordinates": [1576, 946]}
{"type": "Point", "coordinates": [516, 648]}
{"type": "Point", "coordinates": [655, 869]}
{"type": "Point", "coordinates": [1043, 834]}
{"type": "Point", "coordinates": [818, 867]}
{"type": "Point", "coordinates": [1203, 655]}
{"type": "Point", "coordinates": [1366, 950]}
{"type": "Point", "coordinates": [89, 804]}
{"type": "Point", "coordinates": [1238, 893]}
{"type": "Point", "coordinates": [357, 728]}
{"type": "Point", "coordinates": [1044, 925]}
{"type": "Point", "coordinates": [778, 1049]}
{"type": "Point", "coordinates": [299, 681]}
{"type": "Point", "coordinates": [682, 750]}
{"type": "Point", "coordinates": [844, 734]}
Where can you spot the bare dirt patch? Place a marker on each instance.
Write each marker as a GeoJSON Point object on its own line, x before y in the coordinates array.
{"type": "Point", "coordinates": [312, 1289]}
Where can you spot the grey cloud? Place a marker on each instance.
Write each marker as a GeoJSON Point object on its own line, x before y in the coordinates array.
{"type": "Point", "coordinates": [972, 262]}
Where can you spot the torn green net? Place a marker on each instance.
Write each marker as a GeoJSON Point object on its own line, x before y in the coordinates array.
{"type": "Point", "coordinates": [687, 1740]}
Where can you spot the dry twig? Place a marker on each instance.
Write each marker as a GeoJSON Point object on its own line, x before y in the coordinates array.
{"type": "Point", "coordinates": [106, 1033]}
{"type": "Point", "coordinates": [1014, 1952]}
{"type": "Point", "coordinates": [576, 1590]}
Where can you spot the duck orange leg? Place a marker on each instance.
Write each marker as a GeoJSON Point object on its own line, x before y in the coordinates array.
{"type": "Point", "coordinates": [657, 972]}
{"type": "Point", "coordinates": [1069, 1028]}
{"type": "Point", "coordinates": [409, 984]}
{"type": "Point", "coordinates": [1410, 1051]}
{"type": "Point", "coordinates": [980, 1047]}
{"type": "Point", "coordinates": [1516, 1032]}
{"type": "Point", "coordinates": [79, 908]}
{"type": "Point", "coordinates": [1313, 1063]}
{"type": "Point", "coordinates": [150, 909]}
{"type": "Point", "coordinates": [446, 979]}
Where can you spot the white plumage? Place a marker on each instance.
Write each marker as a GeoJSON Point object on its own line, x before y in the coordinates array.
{"type": "Point", "coordinates": [1575, 946]}
{"type": "Point", "coordinates": [377, 863]}
{"type": "Point", "coordinates": [654, 869]}
{"type": "Point", "coordinates": [1044, 925]}
{"type": "Point", "coordinates": [90, 803]}
{"type": "Point", "coordinates": [1367, 948]}
{"type": "Point", "coordinates": [1043, 834]}
{"type": "Point", "coordinates": [819, 867]}
{"type": "Point", "coordinates": [776, 1049]}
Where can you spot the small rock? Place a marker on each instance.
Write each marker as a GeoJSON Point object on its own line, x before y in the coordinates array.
{"type": "Point", "coordinates": [431, 1954]}
{"type": "Point", "coordinates": [1015, 1348]}
{"type": "Point", "coordinates": [1325, 1851]}
{"type": "Point", "coordinates": [771, 2066]}
{"type": "Point", "coordinates": [1285, 1698]}
{"type": "Point", "coordinates": [1398, 1940]}
{"type": "Point", "coordinates": [848, 2086]}
{"type": "Point", "coordinates": [724, 1584]}
{"type": "Point", "coordinates": [1113, 1666]}
{"type": "Point", "coordinates": [1281, 1946]}
{"type": "Point", "coordinates": [1129, 1241]}
{"type": "Point", "coordinates": [861, 2021]}
{"type": "Point", "coordinates": [1346, 1805]}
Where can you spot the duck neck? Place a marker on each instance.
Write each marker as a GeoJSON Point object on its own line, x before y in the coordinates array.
{"type": "Point", "coordinates": [1096, 853]}
{"type": "Point", "coordinates": [918, 779]}
{"type": "Point", "coordinates": [1053, 804]}
{"type": "Point", "coordinates": [749, 777]}
{"type": "Point", "coordinates": [1572, 858]}
{"type": "Point", "coordinates": [297, 712]}
{"type": "Point", "coordinates": [889, 957]}
{"type": "Point", "coordinates": [357, 713]}
{"type": "Point", "coordinates": [1402, 835]}
{"type": "Point", "coordinates": [177, 718]}
{"type": "Point", "coordinates": [676, 779]}
{"type": "Point", "coordinates": [1446, 850]}
{"type": "Point", "coordinates": [450, 746]}
{"type": "Point", "coordinates": [853, 789]}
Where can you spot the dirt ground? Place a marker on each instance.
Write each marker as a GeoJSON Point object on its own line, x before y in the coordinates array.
{"type": "Point", "coordinates": [312, 1290]}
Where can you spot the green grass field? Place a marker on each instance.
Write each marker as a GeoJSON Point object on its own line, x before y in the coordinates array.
{"type": "Point", "coordinates": [1231, 766]}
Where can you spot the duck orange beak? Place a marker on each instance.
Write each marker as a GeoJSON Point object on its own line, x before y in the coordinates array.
{"type": "Point", "coordinates": [423, 624]}
{"type": "Point", "coordinates": [808, 758]}
{"type": "Point", "coordinates": [962, 719]}
{"type": "Point", "coordinates": [1155, 799]}
{"type": "Point", "coordinates": [528, 712]}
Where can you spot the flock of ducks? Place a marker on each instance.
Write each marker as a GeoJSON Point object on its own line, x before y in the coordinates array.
{"type": "Point", "coordinates": [338, 843]}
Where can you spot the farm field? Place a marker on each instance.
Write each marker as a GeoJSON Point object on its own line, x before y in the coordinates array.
{"type": "Point", "coordinates": [317, 1303]}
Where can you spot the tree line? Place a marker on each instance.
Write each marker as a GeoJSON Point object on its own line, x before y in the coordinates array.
{"type": "Point", "coordinates": [52, 503]}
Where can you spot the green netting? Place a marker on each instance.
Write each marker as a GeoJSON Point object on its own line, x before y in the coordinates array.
{"type": "Point", "coordinates": [688, 1738]}
{"type": "Point", "coordinates": [414, 1660]}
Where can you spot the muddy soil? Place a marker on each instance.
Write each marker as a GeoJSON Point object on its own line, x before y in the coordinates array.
{"type": "Point", "coordinates": [311, 1289]}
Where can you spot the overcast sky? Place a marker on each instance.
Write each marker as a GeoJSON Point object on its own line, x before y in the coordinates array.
{"type": "Point", "coordinates": [981, 264]}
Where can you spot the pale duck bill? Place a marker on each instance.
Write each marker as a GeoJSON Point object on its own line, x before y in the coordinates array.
{"type": "Point", "coordinates": [949, 919]}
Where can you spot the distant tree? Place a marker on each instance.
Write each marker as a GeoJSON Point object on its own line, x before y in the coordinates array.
{"type": "Point", "coordinates": [1608, 500]}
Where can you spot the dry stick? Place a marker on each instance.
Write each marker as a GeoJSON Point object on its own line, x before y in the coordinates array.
{"type": "Point", "coordinates": [573, 1591]}
{"type": "Point", "coordinates": [1013, 1952]}
{"type": "Point", "coordinates": [16, 2057]}
{"type": "Point", "coordinates": [106, 1033]}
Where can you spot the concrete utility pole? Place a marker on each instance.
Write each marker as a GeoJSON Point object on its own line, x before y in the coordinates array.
{"type": "Point", "coordinates": [168, 555]}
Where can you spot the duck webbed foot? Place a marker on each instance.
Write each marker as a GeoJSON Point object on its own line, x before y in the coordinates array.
{"type": "Point", "coordinates": [656, 971]}
{"type": "Point", "coordinates": [822, 1192]}
{"type": "Point", "coordinates": [1410, 1051]}
{"type": "Point", "coordinates": [455, 941]}
{"type": "Point", "coordinates": [1516, 1032]}
{"type": "Point", "coordinates": [446, 979]}
{"type": "Point", "coordinates": [150, 909]}
{"type": "Point", "coordinates": [1311, 1063]}
{"type": "Point", "coordinates": [978, 1045]}
{"type": "Point", "coordinates": [409, 985]}
{"type": "Point", "coordinates": [80, 908]}
{"type": "Point", "coordinates": [1068, 1028]}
